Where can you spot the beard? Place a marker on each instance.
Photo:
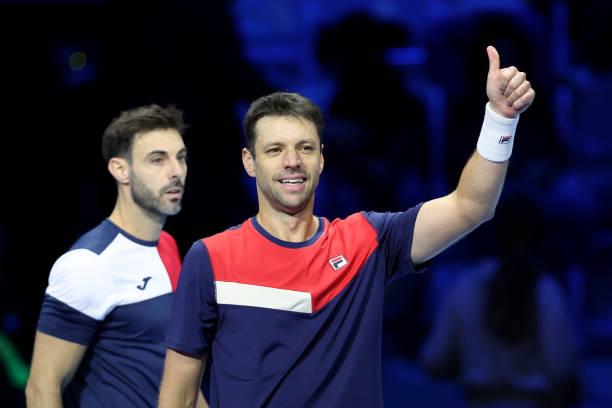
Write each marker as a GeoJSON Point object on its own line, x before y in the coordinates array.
{"type": "Point", "coordinates": [287, 203]}
{"type": "Point", "coordinates": [288, 206]}
{"type": "Point", "coordinates": [154, 202]}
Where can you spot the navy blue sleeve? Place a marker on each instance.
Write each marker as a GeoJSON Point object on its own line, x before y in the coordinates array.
{"type": "Point", "coordinates": [194, 311]}
{"type": "Point", "coordinates": [395, 231]}
{"type": "Point", "coordinates": [59, 320]}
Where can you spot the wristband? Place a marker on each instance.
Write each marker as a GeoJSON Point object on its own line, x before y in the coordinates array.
{"type": "Point", "coordinates": [496, 136]}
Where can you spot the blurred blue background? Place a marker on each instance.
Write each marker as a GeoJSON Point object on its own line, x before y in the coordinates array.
{"type": "Point", "coordinates": [402, 85]}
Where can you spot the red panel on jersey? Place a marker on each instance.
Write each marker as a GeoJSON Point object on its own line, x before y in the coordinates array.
{"type": "Point", "coordinates": [323, 268]}
{"type": "Point", "coordinates": [169, 254]}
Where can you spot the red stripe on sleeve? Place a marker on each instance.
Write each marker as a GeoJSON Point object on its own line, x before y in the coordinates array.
{"type": "Point", "coordinates": [169, 254]}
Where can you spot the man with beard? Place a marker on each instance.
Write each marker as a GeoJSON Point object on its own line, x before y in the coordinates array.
{"type": "Point", "coordinates": [286, 308]}
{"type": "Point", "coordinates": [99, 339]}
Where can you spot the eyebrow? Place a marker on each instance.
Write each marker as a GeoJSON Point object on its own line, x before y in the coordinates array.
{"type": "Point", "coordinates": [299, 142]}
{"type": "Point", "coordinates": [164, 152]}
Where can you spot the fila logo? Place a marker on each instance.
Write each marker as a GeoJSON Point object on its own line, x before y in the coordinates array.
{"type": "Point", "coordinates": [338, 262]}
{"type": "Point", "coordinates": [505, 139]}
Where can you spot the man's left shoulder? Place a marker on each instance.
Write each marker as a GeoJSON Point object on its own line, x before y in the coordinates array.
{"type": "Point", "coordinates": [355, 220]}
{"type": "Point", "coordinates": [357, 226]}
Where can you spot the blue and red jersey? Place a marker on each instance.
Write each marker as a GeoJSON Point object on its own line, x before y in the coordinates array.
{"type": "Point", "coordinates": [288, 324]}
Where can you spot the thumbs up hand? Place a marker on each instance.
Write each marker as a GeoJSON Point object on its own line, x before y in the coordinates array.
{"type": "Point", "coordinates": [508, 90]}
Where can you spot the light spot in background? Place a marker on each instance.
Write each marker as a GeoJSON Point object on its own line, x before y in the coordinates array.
{"type": "Point", "coordinates": [77, 60]}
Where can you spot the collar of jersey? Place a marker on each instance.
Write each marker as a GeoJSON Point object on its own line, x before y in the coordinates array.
{"type": "Point", "coordinates": [288, 244]}
{"type": "Point", "coordinates": [131, 237]}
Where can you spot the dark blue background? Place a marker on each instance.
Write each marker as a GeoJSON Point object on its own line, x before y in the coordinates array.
{"type": "Point", "coordinates": [402, 87]}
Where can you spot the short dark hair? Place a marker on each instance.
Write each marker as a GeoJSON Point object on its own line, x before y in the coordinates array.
{"type": "Point", "coordinates": [118, 137]}
{"type": "Point", "coordinates": [281, 104]}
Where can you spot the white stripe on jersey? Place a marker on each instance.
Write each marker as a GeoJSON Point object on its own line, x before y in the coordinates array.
{"type": "Point", "coordinates": [241, 294]}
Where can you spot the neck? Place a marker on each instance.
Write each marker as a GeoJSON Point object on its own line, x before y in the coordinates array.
{"type": "Point", "coordinates": [289, 227]}
{"type": "Point", "coordinates": [136, 221]}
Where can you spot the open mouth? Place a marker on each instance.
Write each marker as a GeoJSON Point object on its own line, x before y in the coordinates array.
{"type": "Point", "coordinates": [293, 184]}
{"type": "Point", "coordinates": [298, 180]}
{"type": "Point", "coordinates": [174, 193]}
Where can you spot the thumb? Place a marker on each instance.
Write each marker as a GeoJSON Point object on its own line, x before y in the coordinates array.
{"type": "Point", "coordinates": [493, 59]}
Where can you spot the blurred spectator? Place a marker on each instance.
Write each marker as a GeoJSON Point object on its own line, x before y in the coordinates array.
{"type": "Point", "coordinates": [505, 334]}
{"type": "Point", "coordinates": [586, 110]}
{"type": "Point", "coordinates": [460, 43]}
{"type": "Point", "coordinates": [376, 130]}
{"type": "Point", "coordinates": [376, 136]}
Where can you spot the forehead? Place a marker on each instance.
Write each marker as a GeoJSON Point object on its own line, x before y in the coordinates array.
{"type": "Point", "coordinates": [167, 140]}
{"type": "Point", "coordinates": [284, 129]}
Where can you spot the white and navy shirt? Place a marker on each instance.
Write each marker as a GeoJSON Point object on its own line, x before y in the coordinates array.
{"type": "Point", "coordinates": [112, 292]}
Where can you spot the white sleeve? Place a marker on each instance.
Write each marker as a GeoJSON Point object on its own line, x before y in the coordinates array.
{"type": "Point", "coordinates": [79, 280]}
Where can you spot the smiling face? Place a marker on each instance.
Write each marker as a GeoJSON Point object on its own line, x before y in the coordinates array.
{"type": "Point", "coordinates": [157, 171]}
{"type": "Point", "coordinates": [287, 163]}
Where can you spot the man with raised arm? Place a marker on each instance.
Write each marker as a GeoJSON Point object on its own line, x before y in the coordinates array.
{"type": "Point", "coordinates": [285, 309]}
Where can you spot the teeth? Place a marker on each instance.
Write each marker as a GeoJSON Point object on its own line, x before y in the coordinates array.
{"type": "Point", "coordinates": [292, 181]}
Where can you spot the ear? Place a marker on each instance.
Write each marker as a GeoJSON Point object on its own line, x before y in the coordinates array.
{"type": "Point", "coordinates": [119, 169]}
{"type": "Point", "coordinates": [248, 161]}
{"type": "Point", "coordinates": [321, 165]}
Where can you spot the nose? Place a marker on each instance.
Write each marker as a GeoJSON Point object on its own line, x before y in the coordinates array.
{"type": "Point", "coordinates": [177, 169]}
{"type": "Point", "coordinates": [291, 159]}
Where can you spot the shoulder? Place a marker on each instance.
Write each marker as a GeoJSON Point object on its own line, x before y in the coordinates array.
{"type": "Point", "coordinates": [83, 258]}
{"type": "Point", "coordinates": [97, 239]}
{"type": "Point", "coordinates": [382, 220]}
{"type": "Point", "coordinates": [198, 249]}
{"type": "Point", "coordinates": [77, 264]}
{"type": "Point", "coordinates": [79, 277]}
{"type": "Point", "coordinates": [359, 219]}
{"type": "Point", "coordinates": [225, 240]}
{"type": "Point", "coordinates": [356, 226]}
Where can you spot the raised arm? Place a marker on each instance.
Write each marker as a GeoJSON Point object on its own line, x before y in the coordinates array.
{"type": "Point", "coordinates": [181, 381]}
{"type": "Point", "coordinates": [443, 221]}
{"type": "Point", "coordinates": [54, 362]}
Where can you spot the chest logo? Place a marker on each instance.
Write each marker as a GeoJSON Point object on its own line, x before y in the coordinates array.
{"type": "Point", "coordinates": [144, 283]}
{"type": "Point", "coordinates": [338, 262]}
